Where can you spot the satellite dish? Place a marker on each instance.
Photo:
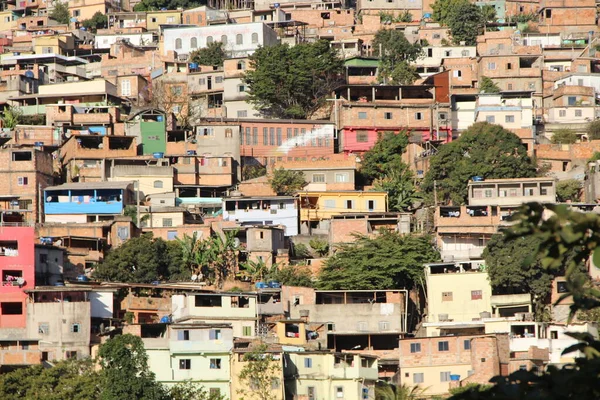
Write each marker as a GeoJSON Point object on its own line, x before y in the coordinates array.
{"type": "Point", "coordinates": [194, 278]}
{"type": "Point", "coordinates": [236, 242]}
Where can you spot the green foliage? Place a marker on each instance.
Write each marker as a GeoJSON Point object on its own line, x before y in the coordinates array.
{"type": "Point", "coordinates": [469, 387]}
{"type": "Point", "coordinates": [511, 269]}
{"type": "Point", "coordinates": [595, 156]}
{"type": "Point", "coordinates": [483, 150]}
{"type": "Point", "coordinates": [301, 251]}
{"type": "Point", "coordinates": [593, 130]}
{"type": "Point", "coordinates": [522, 18]}
{"type": "Point", "coordinates": [320, 246]}
{"type": "Point", "coordinates": [286, 182]}
{"type": "Point", "coordinates": [293, 275]}
{"type": "Point", "coordinates": [396, 53]}
{"type": "Point", "coordinates": [131, 212]}
{"type": "Point", "coordinates": [213, 54]}
{"type": "Point", "coordinates": [253, 171]}
{"type": "Point", "coordinates": [402, 194]}
{"type": "Point", "coordinates": [386, 391]}
{"type": "Point", "coordinates": [259, 374]}
{"type": "Point", "coordinates": [386, 17]}
{"type": "Point", "coordinates": [385, 156]}
{"type": "Point", "coordinates": [98, 20]}
{"type": "Point", "coordinates": [67, 380]}
{"type": "Point", "coordinates": [487, 85]}
{"type": "Point", "coordinates": [257, 271]}
{"type": "Point", "coordinates": [569, 190]}
{"type": "Point", "coordinates": [564, 136]}
{"type": "Point", "coordinates": [125, 373]}
{"type": "Point", "coordinates": [187, 390]}
{"type": "Point", "coordinates": [140, 260]}
{"type": "Point", "coordinates": [60, 12]}
{"type": "Point", "coordinates": [293, 82]}
{"type": "Point", "coordinates": [488, 13]}
{"type": "Point", "coordinates": [464, 19]}
{"type": "Point", "coordinates": [155, 5]}
{"type": "Point", "coordinates": [11, 118]}
{"type": "Point", "coordinates": [389, 260]}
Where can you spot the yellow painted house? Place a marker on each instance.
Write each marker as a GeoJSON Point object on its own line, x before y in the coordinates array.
{"type": "Point", "coordinates": [56, 44]}
{"type": "Point", "coordinates": [8, 20]}
{"type": "Point", "coordinates": [317, 206]}
{"type": "Point", "coordinates": [156, 18]}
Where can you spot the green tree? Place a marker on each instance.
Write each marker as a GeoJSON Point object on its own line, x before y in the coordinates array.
{"type": "Point", "coordinates": [260, 375]}
{"type": "Point", "coordinates": [385, 156]}
{"type": "Point", "coordinates": [155, 5]}
{"type": "Point", "coordinates": [11, 117]}
{"type": "Point", "coordinates": [386, 391]}
{"type": "Point", "coordinates": [66, 380]}
{"type": "Point", "coordinates": [60, 13]}
{"type": "Point", "coordinates": [441, 10]}
{"type": "Point", "coordinates": [293, 82]}
{"type": "Point", "coordinates": [213, 54]}
{"type": "Point", "coordinates": [465, 21]}
{"type": "Point", "coordinates": [98, 21]}
{"type": "Point", "coordinates": [564, 136]}
{"type": "Point", "coordinates": [131, 212]}
{"type": "Point", "coordinates": [257, 271]}
{"type": "Point", "coordinates": [125, 373]}
{"type": "Point", "coordinates": [187, 390]}
{"type": "Point", "coordinates": [396, 53]}
{"type": "Point", "coordinates": [141, 260]}
{"type": "Point", "coordinates": [389, 260]}
{"type": "Point", "coordinates": [488, 13]}
{"type": "Point", "coordinates": [593, 130]}
{"type": "Point", "coordinates": [569, 190]}
{"type": "Point", "coordinates": [301, 251]}
{"type": "Point", "coordinates": [286, 182]}
{"type": "Point", "coordinates": [293, 275]}
{"type": "Point", "coordinates": [595, 156]}
{"type": "Point", "coordinates": [483, 150]}
{"type": "Point", "coordinates": [511, 269]}
{"type": "Point", "coordinates": [320, 246]}
{"type": "Point", "coordinates": [487, 85]}
{"type": "Point", "coordinates": [253, 171]}
{"type": "Point", "coordinates": [402, 193]}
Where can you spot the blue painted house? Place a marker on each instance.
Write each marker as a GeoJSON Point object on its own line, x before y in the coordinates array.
{"type": "Point", "coordinates": [86, 201]}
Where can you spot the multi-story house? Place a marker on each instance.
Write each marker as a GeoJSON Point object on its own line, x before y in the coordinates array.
{"type": "Point", "coordinates": [26, 172]}
{"type": "Point", "coordinates": [513, 72]}
{"type": "Point", "coordinates": [567, 16]}
{"type": "Point", "coordinates": [333, 173]}
{"type": "Point", "coordinates": [264, 210]}
{"type": "Point", "coordinates": [235, 90]}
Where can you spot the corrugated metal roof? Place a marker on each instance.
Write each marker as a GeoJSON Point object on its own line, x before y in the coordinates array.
{"type": "Point", "coordinates": [90, 185]}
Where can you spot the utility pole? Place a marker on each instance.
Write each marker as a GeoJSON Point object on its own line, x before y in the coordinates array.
{"type": "Point", "coordinates": [137, 195]}
{"type": "Point", "coordinates": [39, 199]}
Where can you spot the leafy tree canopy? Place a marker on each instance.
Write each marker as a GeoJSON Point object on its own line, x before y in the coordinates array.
{"type": "Point", "coordinates": [385, 156]}
{"type": "Point", "coordinates": [564, 136]}
{"type": "Point", "coordinates": [213, 54]}
{"type": "Point", "coordinates": [464, 19]}
{"type": "Point", "coordinates": [293, 82]}
{"type": "Point", "coordinates": [483, 150]}
{"type": "Point", "coordinates": [487, 85]}
{"type": "Point", "coordinates": [389, 260]}
{"type": "Point", "coordinates": [260, 371]}
{"type": "Point", "coordinates": [568, 190]}
{"type": "Point", "coordinates": [286, 182]}
{"type": "Point", "coordinates": [142, 260]}
{"type": "Point", "coordinates": [97, 21]}
{"type": "Point", "coordinates": [60, 12]}
{"type": "Point", "coordinates": [593, 130]}
{"type": "Point", "coordinates": [154, 5]}
{"type": "Point", "coordinates": [396, 54]}
{"type": "Point", "coordinates": [293, 275]}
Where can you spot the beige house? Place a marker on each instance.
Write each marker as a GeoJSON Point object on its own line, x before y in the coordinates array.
{"type": "Point", "coordinates": [151, 179]}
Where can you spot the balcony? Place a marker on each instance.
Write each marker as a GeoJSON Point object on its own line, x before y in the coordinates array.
{"type": "Point", "coordinates": [270, 309]}
{"type": "Point", "coordinates": [510, 300]}
{"type": "Point", "coordinates": [95, 118]}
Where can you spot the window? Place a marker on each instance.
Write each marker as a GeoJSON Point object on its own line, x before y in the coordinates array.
{"type": "Point", "coordinates": [509, 119]}
{"type": "Point", "coordinates": [308, 362]}
{"type": "Point", "coordinates": [71, 355]}
{"type": "Point", "coordinates": [508, 66]}
{"type": "Point", "coordinates": [224, 39]}
{"type": "Point", "coordinates": [158, 184]}
{"type": "Point", "coordinates": [578, 113]}
{"type": "Point", "coordinates": [370, 205]}
{"type": "Point", "coordinates": [509, 86]}
{"type": "Point", "coordinates": [341, 177]}
{"type": "Point", "coordinates": [339, 392]}
{"type": "Point", "coordinates": [362, 115]}
{"type": "Point", "coordinates": [44, 328]}
{"type": "Point", "coordinates": [443, 346]}
{"type": "Point", "coordinates": [254, 136]}
{"type": "Point", "coordinates": [548, 13]}
{"type": "Point", "coordinates": [254, 38]}
{"type": "Point", "coordinates": [362, 137]}
{"type": "Point", "coordinates": [387, 115]}
{"type": "Point", "coordinates": [561, 287]}
{"type": "Point", "coordinates": [491, 65]}
{"type": "Point", "coordinates": [247, 331]}
{"type": "Point", "coordinates": [218, 79]}
{"type": "Point", "coordinates": [571, 100]}
{"type": "Point", "coordinates": [418, 377]}
{"type": "Point", "coordinates": [22, 181]}
{"type": "Point", "coordinates": [330, 326]}
{"type": "Point", "coordinates": [241, 65]}
{"type": "Point", "coordinates": [215, 363]}
{"type": "Point", "coordinates": [490, 119]}
{"type": "Point", "coordinates": [126, 88]}
{"type": "Point", "coordinates": [167, 222]}
{"type": "Point", "coordinates": [194, 43]}
{"type": "Point", "coordinates": [562, 113]}
{"type": "Point", "coordinates": [265, 136]}
{"type": "Point", "coordinates": [183, 334]}
{"type": "Point", "coordinates": [272, 136]}
{"type": "Point", "coordinates": [446, 296]}
{"type": "Point", "coordinates": [279, 138]}
{"type": "Point", "coordinates": [311, 392]}
{"type": "Point", "coordinates": [44, 356]}
{"type": "Point", "coordinates": [75, 328]}
{"type": "Point", "coordinates": [418, 116]}
{"type": "Point", "coordinates": [214, 334]}
{"type": "Point", "coordinates": [384, 326]}
{"type": "Point", "coordinates": [318, 178]}
{"type": "Point", "coordinates": [10, 308]}
{"type": "Point", "coordinates": [349, 204]}
{"type": "Point", "coordinates": [241, 88]}
{"type": "Point", "coordinates": [178, 43]}
{"type": "Point", "coordinates": [476, 295]}
{"type": "Point", "coordinates": [209, 40]}
{"type": "Point", "coordinates": [553, 334]}
{"type": "Point", "coordinates": [444, 376]}
{"type": "Point", "coordinates": [457, 73]}
{"type": "Point", "coordinates": [329, 204]}
{"type": "Point", "coordinates": [242, 113]}
{"type": "Point", "coordinates": [467, 344]}
{"type": "Point", "coordinates": [415, 347]}
{"type": "Point", "coordinates": [76, 13]}
{"type": "Point", "coordinates": [239, 39]}
{"type": "Point", "coordinates": [185, 363]}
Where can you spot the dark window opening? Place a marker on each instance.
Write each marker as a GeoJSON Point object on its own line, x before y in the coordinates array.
{"type": "Point", "coordinates": [21, 156]}
{"type": "Point", "coordinates": [119, 143]}
{"type": "Point", "coordinates": [208, 301]}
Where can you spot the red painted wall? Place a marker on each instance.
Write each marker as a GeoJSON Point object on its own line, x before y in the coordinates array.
{"type": "Point", "coordinates": [350, 145]}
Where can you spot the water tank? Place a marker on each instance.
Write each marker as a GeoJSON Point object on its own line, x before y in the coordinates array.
{"type": "Point", "coordinates": [38, 144]}
{"type": "Point", "coordinates": [29, 74]}
{"type": "Point", "coordinates": [261, 285]}
{"type": "Point", "coordinates": [158, 154]}
{"type": "Point", "coordinates": [165, 320]}
{"type": "Point", "coordinates": [193, 65]}
{"type": "Point", "coordinates": [477, 179]}
{"type": "Point", "coordinates": [455, 377]}
{"type": "Point", "coordinates": [159, 118]}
